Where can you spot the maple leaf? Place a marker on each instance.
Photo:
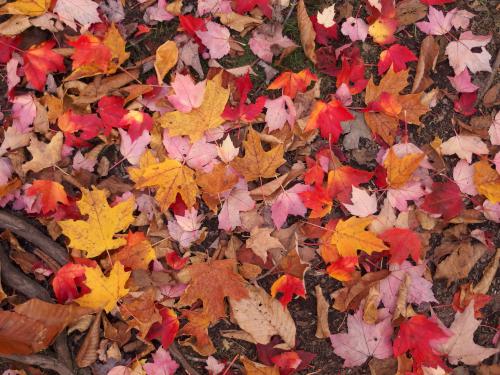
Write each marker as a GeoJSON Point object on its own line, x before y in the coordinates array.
{"type": "Point", "coordinates": [288, 203]}
{"type": "Point", "coordinates": [166, 58]}
{"type": "Point", "coordinates": [243, 6]}
{"type": "Point", "coordinates": [44, 155]}
{"type": "Point", "coordinates": [137, 253]}
{"type": "Point", "coordinates": [438, 23]}
{"type": "Point", "coordinates": [82, 11]}
{"type": "Point", "coordinates": [288, 285]}
{"type": "Point", "coordinates": [280, 111]}
{"type": "Point", "coordinates": [163, 364]}
{"type": "Point", "coordinates": [39, 60]}
{"type": "Point", "coordinates": [254, 368]}
{"type": "Point", "coordinates": [343, 268]}
{"type": "Point", "coordinates": [291, 82]}
{"type": "Point", "coordinates": [261, 242]}
{"type": "Point", "coordinates": [257, 163]}
{"type": "Point", "coordinates": [132, 150]}
{"type": "Point", "coordinates": [464, 146]}
{"type": "Point", "coordinates": [411, 106]}
{"type": "Point", "coordinates": [170, 178]}
{"type": "Point", "coordinates": [267, 40]}
{"type": "Point", "coordinates": [104, 291]}
{"type": "Point", "coordinates": [462, 82]}
{"type": "Point", "coordinates": [211, 283]}
{"type": "Point", "coordinates": [96, 234]}
{"type": "Point", "coordinates": [355, 29]}
{"type": "Point", "coordinates": [197, 328]}
{"type": "Point", "coordinates": [90, 52]}
{"type": "Point", "coordinates": [244, 112]}
{"type": "Point", "coordinates": [26, 7]}
{"type": "Point", "coordinates": [188, 95]}
{"type": "Point", "coordinates": [342, 179]}
{"type": "Point", "coordinates": [327, 117]}
{"type": "Point", "coordinates": [402, 242]}
{"type": "Point", "coordinates": [350, 235]}
{"type": "Point", "coordinates": [67, 280]}
{"type": "Point", "coordinates": [324, 34]}
{"type": "Point", "coordinates": [363, 340]}
{"type": "Point", "coordinates": [167, 329]}
{"type": "Point", "coordinates": [445, 199]}
{"type": "Point", "coordinates": [238, 200]}
{"type": "Point", "coordinates": [397, 56]}
{"type": "Point", "coordinates": [363, 204]}
{"type": "Point", "coordinates": [487, 181]}
{"type": "Point", "coordinates": [382, 30]}
{"type": "Point", "coordinates": [400, 170]}
{"type": "Point", "coordinates": [49, 192]}
{"type": "Point", "coordinates": [461, 55]}
{"type": "Point", "coordinates": [140, 312]}
{"type": "Point", "coordinates": [207, 116]}
{"type": "Point", "coordinates": [216, 39]}
{"type": "Point", "coordinates": [421, 336]}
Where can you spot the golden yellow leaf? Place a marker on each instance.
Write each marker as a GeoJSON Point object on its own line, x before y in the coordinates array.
{"type": "Point", "coordinates": [44, 155]}
{"type": "Point", "coordinates": [96, 234]}
{"type": "Point", "coordinates": [258, 163]}
{"type": "Point", "coordinates": [104, 291]}
{"type": "Point", "coordinates": [115, 42]}
{"type": "Point", "coordinates": [26, 7]}
{"type": "Point", "coordinates": [166, 58]}
{"type": "Point", "coordinates": [170, 178]}
{"type": "Point", "coordinates": [399, 170]}
{"type": "Point", "coordinates": [207, 116]}
{"type": "Point", "coordinates": [391, 83]}
{"type": "Point", "coordinates": [254, 368]}
{"type": "Point", "coordinates": [487, 181]}
{"type": "Point", "coordinates": [350, 235]}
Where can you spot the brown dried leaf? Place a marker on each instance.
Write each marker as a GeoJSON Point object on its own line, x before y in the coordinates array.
{"type": "Point", "coordinates": [488, 275]}
{"type": "Point", "coordinates": [254, 368]}
{"type": "Point", "coordinates": [429, 51]}
{"type": "Point", "coordinates": [87, 354]}
{"type": "Point", "coordinates": [410, 11]}
{"type": "Point", "coordinates": [458, 265]}
{"type": "Point", "coordinates": [140, 312]}
{"type": "Point", "coordinates": [322, 306]}
{"type": "Point", "coordinates": [263, 317]}
{"type": "Point", "coordinates": [307, 33]}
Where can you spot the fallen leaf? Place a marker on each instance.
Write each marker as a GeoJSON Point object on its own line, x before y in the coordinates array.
{"type": "Point", "coordinates": [44, 155]}
{"type": "Point", "coordinates": [307, 33]}
{"type": "Point", "coordinates": [350, 235]}
{"type": "Point", "coordinates": [166, 58]}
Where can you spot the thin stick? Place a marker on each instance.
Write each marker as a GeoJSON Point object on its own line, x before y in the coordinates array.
{"type": "Point", "coordinates": [176, 353]}
{"type": "Point", "coordinates": [42, 361]}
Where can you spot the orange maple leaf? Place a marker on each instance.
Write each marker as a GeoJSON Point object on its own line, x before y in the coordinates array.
{"type": "Point", "coordinates": [291, 82]}
{"type": "Point", "coordinates": [39, 60]}
{"type": "Point", "coordinates": [49, 192]}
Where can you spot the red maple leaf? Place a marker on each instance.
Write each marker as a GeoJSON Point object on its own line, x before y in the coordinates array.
{"type": "Point", "coordinates": [79, 128]}
{"type": "Point", "coordinates": [191, 24]}
{"type": "Point", "coordinates": [327, 117]}
{"type": "Point", "coordinates": [111, 111]}
{"type": "Point", "coordinates": [445, 199]}
{"type": "Point", "coordinates": [342, 179]}
{"type": "Point", "coordinates": [243, 6]}
{"type": "Point", "coordinates": [291, 82]}
{"type": "Point", "coordinates": [352, 72]}
{"type": "Point", "coordinates": [318, 200]}
{"type": "Point", "coordinates": [419, 335]}
{"type": "Point", "coordinates": [39, 60]}
{"type": "Point", "coordinates": [402, 242]}
{"type": "Point", "coordinates": [397, 56]}
{"type": "Point", "coordinates": [175, 261]}
{"type": "Point", "coordinates": [90, 50]}
{"type": "Point", "coordinates": [465, 103]}
{"type": "Point", "coordinates": [324, 34]}
{"type": "Point", "coordinates": [49, 192]}
{"type": "Point", "coordinates": [7, 46]}
{"type": "Point", "coordinates": [343, 268]}
{"type": "Point", "coordinates": [67, 281]}
{"type": "Point", "coordinates": [166, 330]}
{"type": "Point", "coordinates": [244, 112]}
{"type": "Point", "coordinates": [466, 295]}
{"type": "Point", "coordinates": [288, 285]}
{"type": "Point", "coordinates": [136, 122]}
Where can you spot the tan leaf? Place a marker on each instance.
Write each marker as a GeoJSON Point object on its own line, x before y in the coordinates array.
{"type": "Point", "coordinates": [488, 275]}
{"type": "Point", "coordinates": [238, 22]}
{"type": "Point", "coordinates": [459, 263]}
{"type": "Point", "coordinates": [166, 58]}
{"type": "Point", "coordinates": [410, 11]}
{"type": "Point", "coordinates": [44, 155]}
{"type": "Point", "coordinates": [322, 306]}
{"type": "Point", "coordinates": [429, 51]}
{"type": "Point", "coordinates": [261, 242]}
{"type": "Point", "coordinates": [140, 312]}
{"type": "Point", "coordinates": [87, 354]}
{"type": "Point", "coordinates": [254, 368]}
{"type": "Point", "coordinates": [263, 317]}
{"type": "Point", "coordinates": [307, 33]}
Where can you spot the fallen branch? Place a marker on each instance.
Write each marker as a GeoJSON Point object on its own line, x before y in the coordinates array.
{"type": "Point", "coordinates": [42, 361]}
{"type": "Point", "coordinates": [18, 281]}
{"type": "Point", "coordinates": [27, 231]}
{"type": "Point", "coordinates": [176, 353]}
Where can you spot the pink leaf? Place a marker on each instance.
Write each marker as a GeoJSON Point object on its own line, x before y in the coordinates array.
{"type": "Point", "coordinates": [227, 151]}
{"type": "Point", "coordinates": [213, 6]}
{"type": "Point", "coordinates": [463, 174]}
{"type": "Point", "coordinates": [363, 204]}
{"type": "Point", "coordinates": [494, 130]}
{"type": "Point", "coordinates": [464, 146]}
{"type": "Point", "coordinates": [288, 203]}
{"type": "Point", "coordinates": [355, 29]}
{"type": "Point", "coordinates": [265, 41]}
{"type": "Point", "coordinates": [461, 56]}
{"type": "Point", "coordinates": [462, 82]}
{"type": "Point", "coordinates": [279, 111]}
{"type": "Point", "coordinates": [133, 150]}
{"type": "Point", "coordinates": [363, 340]}
{"type": "Point", "coordinates": [216, 39]}
{"type": "Point", "coordinates": [23, 113]}
{"type": "Point", "coordinates": [5, 170]}
{"type": "Point", "coordinates": [163, 364]}
{"type": "Point", "coordinates": [188, 95]}
{"type": "Point", "coordinates": [461, 19]}
{"type": "Point", "coordinates": [438, 23]}
{"type": "Point", "coordinates": [238, 200]}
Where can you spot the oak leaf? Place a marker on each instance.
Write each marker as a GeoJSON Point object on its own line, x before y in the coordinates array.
{"type": "Point", "coordinates": [44, 155]}
{"type": "Point", "coordinates": [258, 163]}
{"type": "Point", "coordinates": [350, 235]}
{"type": "Point", "coordinates": [207, 116]}
{"type": "Point", "coordinates": [104, 291]}
{"type": "Point", "coordinates": [170, 178]}
{"type": "Point", "coordinates": [211, 283]}
{"type": "Point", "coordinates": [96, 234]}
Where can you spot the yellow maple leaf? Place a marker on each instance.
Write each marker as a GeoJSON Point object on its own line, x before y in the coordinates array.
{"type": "Point", "coordinates": [399, 170]}
{"type": "Point", "coordinates": [170, 177]}
{"type": "Point", "coordinates": [350, 235]}
{"type": "Point", "coordinates": [26, 7]}
{"type": "Point", "coordinates": [258, 163]}
{"type": "Point", "coordinates": [207, 116]}
{"type": "Point", "coordinates": [104, 291]}
{"type": "Point", "coordinates": [487, 181]}
{"type": "Point", "coordinates": [96, 234]}
{"type": "Point", "coordinates": [166, 58]}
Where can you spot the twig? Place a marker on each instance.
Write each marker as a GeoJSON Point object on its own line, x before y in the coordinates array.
{"type": "Point", "coordinates": [42, 361]}
{"type": "Point", "coordinates": [292, 7]}
{"type": "Point", "coordinates": [176, 353]}
{"type": "Point", "coordinates": [490, 80]}
{"type": "Point", "coordinates": [27, 231]}
{"type": "Point", "coordinates": [17, 280]}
